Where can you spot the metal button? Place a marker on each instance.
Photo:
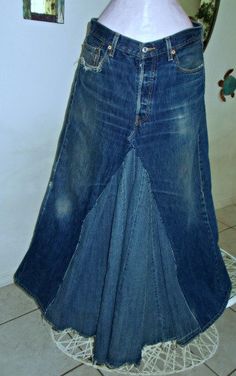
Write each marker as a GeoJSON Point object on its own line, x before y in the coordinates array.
{"type": "Point", "coordinates": [109, 47]}
{"type": "Point", "coordinates": [145, 49]}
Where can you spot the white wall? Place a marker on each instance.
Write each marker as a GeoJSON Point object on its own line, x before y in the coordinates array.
{"type": "Point", "coordinates": [220, 55]}
{"type": "Point", "coordinates": [36, 72]}
{"type": "Point", "coordinates": [37, 67]}
{"type": "Point", "coordinates": [190, 6]}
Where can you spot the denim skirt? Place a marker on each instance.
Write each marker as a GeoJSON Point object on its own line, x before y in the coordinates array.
{"type": "Point", "coordinates": [125, 246]}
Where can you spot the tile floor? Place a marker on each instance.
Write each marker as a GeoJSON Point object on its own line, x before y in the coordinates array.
{"type": "Point", "coordinates": [26, 347]}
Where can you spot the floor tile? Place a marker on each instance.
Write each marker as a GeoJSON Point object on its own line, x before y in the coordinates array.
{"type": "Point", "coordinates": [14, 302]}
{"type": "Point", "coordinates": [224, 360]}
{"type": "Point", "coordinates": [227, 215]}
{"type": "Point", "coordinates": [221, 226]}
{"type": "Point", "coordinates": [28, 349]}
{"type": "Point", "coordinates": [233, 374]}
{"type": "Point", "coordinates": [201, 370]}
{"type": "Point", "coordinates": [227, 240]}
{"type": "Point", "coordinates": [84, 370]}
{"type": "Point", "coordinates": [233, 307]}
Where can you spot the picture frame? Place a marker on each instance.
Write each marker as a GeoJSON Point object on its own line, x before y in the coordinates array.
{"type": "Point", "coordinates": [44, 10]}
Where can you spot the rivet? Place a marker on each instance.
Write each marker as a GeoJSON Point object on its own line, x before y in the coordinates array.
{"type": "Point", "coordinates": [173, 51]}
{"type": "Point", "coordinates": [144, 49]}
{"type": "Point", "coordinates": [109, 47]}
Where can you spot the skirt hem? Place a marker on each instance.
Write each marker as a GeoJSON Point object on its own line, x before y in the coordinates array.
{"type": "Point", "coordinates": [131, 362]}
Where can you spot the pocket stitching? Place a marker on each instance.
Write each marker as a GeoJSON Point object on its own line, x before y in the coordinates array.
{"type": "Point", "coordinates": [187, 70]}
{"type": "Point", "coordinates": [183, 69]}
{"type": "Point", "coordinates": [96, 50]}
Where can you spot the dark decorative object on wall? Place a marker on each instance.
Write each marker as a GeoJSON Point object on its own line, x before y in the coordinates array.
{"type": "Point", "coordinates": [44, 10]}
{"type": "Point", "coordinates": [228, 85]}
{"type": "Point", "coordinates": [207, 14]}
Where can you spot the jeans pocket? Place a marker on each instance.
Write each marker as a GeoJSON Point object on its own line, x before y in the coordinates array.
{"type": "Point", "coordinates": [93, 54]}
{"type": "Point", "coordinates": [189, 58]}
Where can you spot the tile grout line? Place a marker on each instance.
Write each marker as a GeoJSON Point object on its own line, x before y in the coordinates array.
{"type": "Point", "coordinates": [234, 226]}
{"type": "Point", "coordinates": [215, 373]}
{"type": "Point", "coordinates": [72, 369]}
{"type": "Point", "coordinates": [15, 318]}
{"type": "Point", "coordinates": [232, 372]}
{"type": "Point", "coordinates": [80, 365]}
{"type": "Point", "coordinates": [102, 374]}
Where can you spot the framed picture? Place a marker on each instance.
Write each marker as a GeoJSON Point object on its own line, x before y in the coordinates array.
{"type": "Point", "coordinates": [44, 10]}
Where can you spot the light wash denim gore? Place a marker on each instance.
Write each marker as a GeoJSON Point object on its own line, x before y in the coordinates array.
{"type": "Point", "coordinates": [125, 247]}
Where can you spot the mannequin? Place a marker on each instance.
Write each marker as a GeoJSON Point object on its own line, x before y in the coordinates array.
{"type": "Point", "coordinates": [145, 20]}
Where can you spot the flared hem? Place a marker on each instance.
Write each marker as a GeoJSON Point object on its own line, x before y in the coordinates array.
{"type": "Point", "coordinates": [132, 362]}
{"type": "Point", "coordinates": [142, 278]}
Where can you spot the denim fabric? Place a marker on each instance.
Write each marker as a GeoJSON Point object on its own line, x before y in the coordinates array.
{"type": "Point", "coordinates": [125, 247]}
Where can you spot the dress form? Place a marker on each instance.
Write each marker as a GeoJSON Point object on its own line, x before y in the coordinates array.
{"type": "Point", "coordinates": [145, 20]}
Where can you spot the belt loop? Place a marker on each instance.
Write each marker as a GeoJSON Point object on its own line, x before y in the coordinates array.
{"type": "Point", "coordinates": [88, 28]}
{"type": "Point", "coordinates": [169, 48]}
{"type": "Point", "coordinates": [113, 44]}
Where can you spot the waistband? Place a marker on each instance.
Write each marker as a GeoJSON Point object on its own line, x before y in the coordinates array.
{"type": "Point", "coordinates": [143, 49]}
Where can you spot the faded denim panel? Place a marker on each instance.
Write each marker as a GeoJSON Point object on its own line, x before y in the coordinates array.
{"type": "Point", "coordinates": [130, 272]}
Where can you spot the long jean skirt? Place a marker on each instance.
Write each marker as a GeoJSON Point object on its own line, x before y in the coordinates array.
{"type": "Point", "coordinates": [125, 247]}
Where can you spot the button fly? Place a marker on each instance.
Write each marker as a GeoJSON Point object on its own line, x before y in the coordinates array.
{"type": "Point", "coordinates": [145, 49]}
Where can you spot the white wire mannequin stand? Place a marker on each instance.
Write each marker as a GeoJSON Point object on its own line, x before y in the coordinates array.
{"type": "Point", "coordinates": [163, 358]}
